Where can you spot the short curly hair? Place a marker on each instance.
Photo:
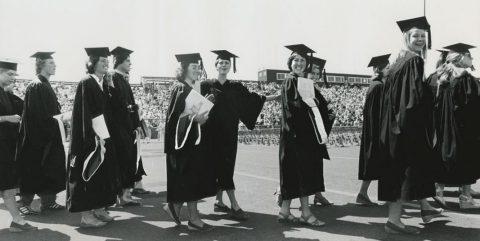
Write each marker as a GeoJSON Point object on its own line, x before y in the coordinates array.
{"type": "Point", "coordinates": [181, 72]}
{"type": "Point", "coordinates": [292, 57]}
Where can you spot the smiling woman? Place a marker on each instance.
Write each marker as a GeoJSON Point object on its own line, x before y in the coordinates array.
{"type": "Point", "coordinates": [406, 130]}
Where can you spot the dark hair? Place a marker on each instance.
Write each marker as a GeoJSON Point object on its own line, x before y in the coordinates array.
{"type": "Point", "coordinates": [292, 57]}
{"type": "Point", "coordinates": [39, 63]}
{"type": "Point", "coordinates": [181, 72]}
{"type": "Point", "coordinates": [91, 62]}
{"type": "Point", "coordinates": [118, 60]}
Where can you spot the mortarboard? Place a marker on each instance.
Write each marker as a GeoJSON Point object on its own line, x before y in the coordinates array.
{"type": "Point", "coordinates": [420, 23]}
{"type": "Point", "coordinates": [8, 65]}
{"type": "Point", "coordinates": [42, 55]}
{"type": "Point", "coordinates": [186, 59]}
{"type": "Point", "coordinates": [98, 52]}
{"type": "Point", "coordinates": [459, 48]}
{"type": "Point", "coordinates": [120, 51]}
{"type": "Point", "coordinates": [301, 49]}
{"type": "Point", "coordinates": [379, 60]}
{"type": "Point", "coordinates": [318, 62]}
{"type": "Point", "coordinates": [225, 55]}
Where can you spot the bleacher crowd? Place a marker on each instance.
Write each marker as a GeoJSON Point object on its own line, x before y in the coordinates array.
{"type": "Point", "coordinates": [346, 101]}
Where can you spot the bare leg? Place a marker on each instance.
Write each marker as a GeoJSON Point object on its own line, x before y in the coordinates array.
{"type": "Point", "coordinates": [233, 199]}
{"type": "Point", "coordinates": [285, 209]}
{"type": "Point", "coordinates": [219, 198]}
{"type": "Point", "coordinates": [306, 212]}
{"type": "Point", "coordinates": [194, 216]}
{"type": "Point", "coordinates": [11, 204]}
{"type": "Point", "coordinates": [395, 213]}
{"type": "Point", "coordinates": [364, 188]}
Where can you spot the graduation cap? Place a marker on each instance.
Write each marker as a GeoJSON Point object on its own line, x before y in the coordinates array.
{"type": "Point", "coordinates": [120, 51]}
{"type": "Point", "coordinates": [225, 55]}
{"type": "Point", "coordinates": [186, 59]}
{"type": "Point", "coordinates": [98, 52]}
{"type": "Point", "coordinates": [301, 49]}
{"type": "Point", "coordinates": [120, 54]}
{"type": "Point", "coordinates": [318, 62]}
{"type": "Point", "coordinates": [42, 55]}
{"type": "Point", "coordinates": [379, 60]}
{"type": "Point", "coordinates": [420, 23]}
{"type": "Point", "coordinates": [459, 48]}
{"type": "Point", "coordinates": [8, 65]}
{"type": "Point", "coordinates": [193, 58]}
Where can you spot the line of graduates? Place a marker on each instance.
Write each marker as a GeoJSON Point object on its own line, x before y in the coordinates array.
{"type": "Point", "coordinates": [103, 165]}
{"type": "Point", "coordinates": [420, 133]}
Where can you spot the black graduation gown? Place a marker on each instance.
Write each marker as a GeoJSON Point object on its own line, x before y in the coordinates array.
{"type": "Point", "coordinates": [190, 173]}
{"type": "Point", "coordinates": [406, 132]}
{"type": "Point", "coordinates": [128, 121]}
{"type": "Point", "coordinates": [300, 154]}
{"type": "Point", "coordinates": [456, 116]}
{"type": "Point", "coordinates": [41, 154]}
{"type": "Point", "coordinates": [101, 190]}
{"type": "Point", "coordinates": [9, 105]}
{"type": "Point", "coordinates": [370, 159]}
{"type": "Point", "coordinates": [233, 103]}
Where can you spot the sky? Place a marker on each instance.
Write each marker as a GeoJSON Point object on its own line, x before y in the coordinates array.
{"type": "Point", "coordinates": [347, 33]}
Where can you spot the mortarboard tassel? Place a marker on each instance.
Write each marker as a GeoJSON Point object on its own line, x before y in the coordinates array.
{"type": "Point", "coordinates": [234, 65]}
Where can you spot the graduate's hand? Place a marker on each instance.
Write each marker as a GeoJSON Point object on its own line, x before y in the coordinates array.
{"type": "Point", "coordinates": [108, 78]}
{"type": "Point", "coordinates": [273, 97]}
{"type": "Point", "coordinates": [11, 118]}
{"type": "Point", "coordinates": [67, 116]}
{"type": "Point", "coordinates": [140, 132]}
{"type": "Point", "coordinates": [211, 98]}
{"type": "Point", "coordinates": [201, 119]}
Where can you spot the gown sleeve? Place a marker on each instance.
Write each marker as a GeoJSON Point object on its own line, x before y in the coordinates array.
{"type": "Point", "coordinates": [175, 109]}
{"type": "Point", "coordinates": [409, 93]}
{"type": "Point", "coordinates": [291, 102]}
{"type": "Point", "coordinates": [37, 114]}
{"type": "Point", "coordinates": [250, 105]}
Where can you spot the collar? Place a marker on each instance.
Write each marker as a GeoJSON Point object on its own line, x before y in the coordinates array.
{"type": "Point", "coordinates": [99, 82]}
{"type": "Point", "coordinates": [121, 73]}
{"type": "Point", "coordinates": [42, 78]}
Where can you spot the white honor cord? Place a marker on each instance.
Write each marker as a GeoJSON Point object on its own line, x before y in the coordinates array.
{"type": "Point", "coordinates": [318, 120]}
{"type": "Point", "coordinates": [186, 134]}
{"type": "Point", "coordinates": [89, 157]}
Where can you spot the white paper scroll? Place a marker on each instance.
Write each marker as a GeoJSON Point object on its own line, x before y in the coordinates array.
{"type": "Point", "coordinates": [196, 104]}
{"type": "Point", "coordinates": [306, 90]}
{"type": "Point", "coordinates": [100, 127]}
{"type": "Point", "coordinates": [98, 144]}
{"type": "Point", "coordinates": [61, 127]}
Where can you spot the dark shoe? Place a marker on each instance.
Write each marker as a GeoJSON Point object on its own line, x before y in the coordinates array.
{"type": "Point", "coordinates": [440, 201]}
{"type": "Point", "coordinates": [311, 221]}
{"type": "Point", "coordinates": [287, 218]}
{"type": "Point", "coordinates": [170, 210]}
{"type": "Point", "coordinates": [204, 228]}
{"type": "Point", "coordinates": [26, 210]}
{"type": "Point", "coordinates": [428, 215]}
{"type": "Point", "coordinates": [91, 222]}
{"type": "Point", "coordinates": [365, 201]}
{"type": "Point", "coordinates": [16, 228]}
{"type": "Point", "coordinates": [140, 191]}
{"type": "Point", "coordinates": [103, 215]}
{"type": "Point", "coordinates": [54, 207]}
{"type": "Point", "coordinates": [322, 200]}
{"type": "Point", "coordinates": [394, 229]}
{"type": "Point", "coordinates": [238, 215]}
{"type": "Point", "coordinates": [221, 208]}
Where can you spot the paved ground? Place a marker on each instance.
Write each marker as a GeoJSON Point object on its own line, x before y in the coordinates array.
{"type": "Point", "coordinates": [256, 179]}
